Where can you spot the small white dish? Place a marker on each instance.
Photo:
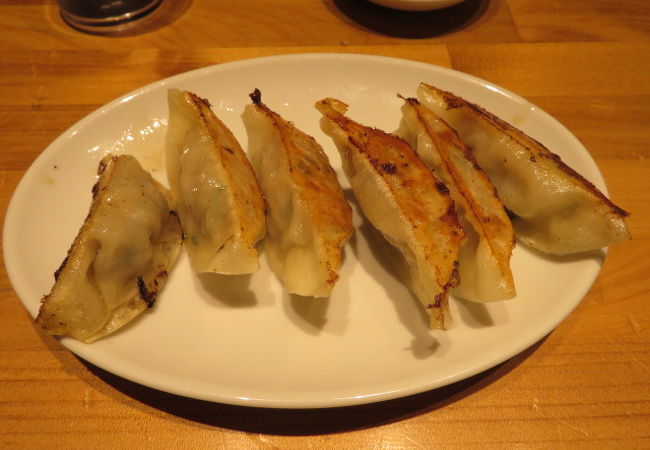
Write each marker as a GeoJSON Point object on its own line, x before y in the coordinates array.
{"type": "Point", "coordinates": [416, 5]}
{"type": "Point", "coordinates": [244, 341]}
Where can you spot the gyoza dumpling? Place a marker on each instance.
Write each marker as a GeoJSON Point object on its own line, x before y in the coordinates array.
{"type": "Point", "coordinates": [402, 198]}
{"type": "Point", "coordinates": [308, 218]}
{"type": "Point", "coordinates": [555, 209]}
{"type": "Point", "coordinates": [217, 195]}
{"type": "Point", "coordinates": [120, 259]}
{"type": "Point", "coordinates": [485, 273]}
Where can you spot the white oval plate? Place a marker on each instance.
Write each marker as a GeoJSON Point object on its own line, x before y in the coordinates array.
{"type": "Point", "coordinates": [244, 341]}
{"type": "Point", "coordinates": [416, 5]}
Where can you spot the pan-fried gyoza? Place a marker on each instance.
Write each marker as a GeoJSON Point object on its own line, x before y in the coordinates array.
{"type": "Point", "coordinates": [485, 273]}
{"type": "Point", "coordinates": [555, 209]}
{"type": "Point", "coordinates": [309, 220]}
{"type": "Point", "coordinates": [217, 195]}
{"type": "Point", "coordinates": [402, 198]}
{"type": "Point", "coordinates": [120, 258]}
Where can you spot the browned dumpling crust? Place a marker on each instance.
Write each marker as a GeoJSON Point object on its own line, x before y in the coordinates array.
{"type": "Point", "coordinates": [402, 198]}
{"type": "Point", "coordinates": [308, 218]}
{"type": "Point", "coordinates": [556, 210]}
{"type": "Point", "coordinates": [216, 193]}
{"type": "Point", "coordinates": [120, 259]}
{"type": "Point", "coordinates": [485, 273]}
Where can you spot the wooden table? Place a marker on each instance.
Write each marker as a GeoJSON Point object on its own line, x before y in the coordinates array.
{"type": "Point", "coordinates": [586, 62]}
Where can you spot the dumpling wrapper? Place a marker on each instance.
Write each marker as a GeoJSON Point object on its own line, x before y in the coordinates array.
{"type": "Point", "coordinates": [402, 199]}
{"type": "Point", "coordinates": [556, 210]}
{"type": "Point", "coordinates": [120, 259]}
{"type": "Point", "coordinates": [216, 194]}
{"type": "Point", "coordinates": [485, 273]}
{"type": "Point", "coordinates": [309, 219]}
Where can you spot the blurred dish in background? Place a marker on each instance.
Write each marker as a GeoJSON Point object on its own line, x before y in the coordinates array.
{"type": "Point", "coordinates": [106, 16]}
{"type": "Point", "coordinates": [416, 5]}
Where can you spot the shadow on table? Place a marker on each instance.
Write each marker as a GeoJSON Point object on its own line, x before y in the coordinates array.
{"type": "Point", "coordinates": [409, 24]}
{"type": "Point", "coordinates": [301, 422]}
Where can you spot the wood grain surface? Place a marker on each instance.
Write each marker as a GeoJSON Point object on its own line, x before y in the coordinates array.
{"type": "Point", "coordinates": [586, 62]}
